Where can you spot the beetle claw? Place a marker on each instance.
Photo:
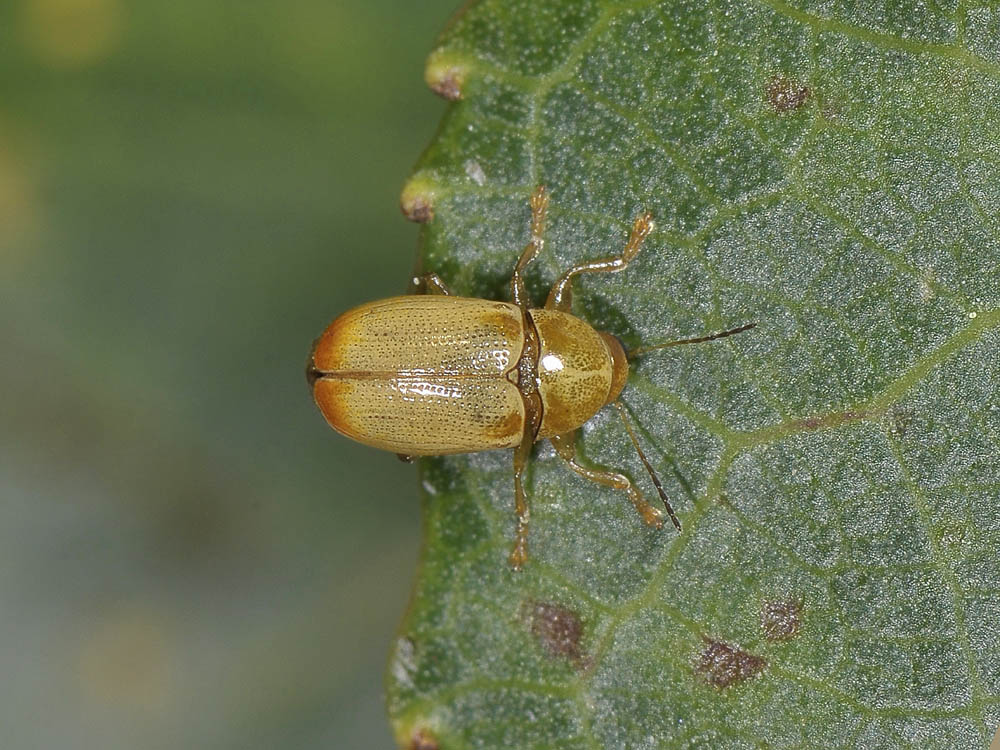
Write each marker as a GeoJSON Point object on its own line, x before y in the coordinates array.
{"type": "Point", "coordinates": [653, 518]}
{"type": "Point", "coordinates": [518, 555]}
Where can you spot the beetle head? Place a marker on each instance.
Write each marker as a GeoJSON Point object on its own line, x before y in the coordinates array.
{"type": "Point", "coordinates": [619, 372]}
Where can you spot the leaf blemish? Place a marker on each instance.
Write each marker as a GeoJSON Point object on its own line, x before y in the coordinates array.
{"type": "Point", "coordinates": [723, 665]}
{"type": "Point", "coordinates": [423, 740]}
{"type": "Point", "coordinates": [557, 629]}
{"type": "Point", "coordinates": [781, 620]}
{"type": "Point", "coordinates": [785, 94]}
{"type": "Point", "coordinates": [417, 200]}
{"type": "Point", "coordinates": [831, 420]}
{"type": "Point", "coordinates": [448, 86]}
{"type": "Point", "coordinates": [445, 75]}
{"type": "Point", "coordinates": [419, 210]}
{"type": "Point", "coordinates": [900, 418]}
{"type": "Point", "coordinates": [475, 172]}
{"type": "Point", "coordinates": [403, 664]}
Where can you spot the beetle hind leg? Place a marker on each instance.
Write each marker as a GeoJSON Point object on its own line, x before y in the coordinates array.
{"type": "Point", "coordinates": [519, 554]}
{"type": "Point", "coordinates": [565, 446]}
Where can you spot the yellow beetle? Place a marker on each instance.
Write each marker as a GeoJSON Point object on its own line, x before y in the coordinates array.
{"type": "Point", "coordinates": [440, 374]}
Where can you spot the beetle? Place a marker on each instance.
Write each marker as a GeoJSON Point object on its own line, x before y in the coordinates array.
{"type": "Point", "coordinates": [441, 374]}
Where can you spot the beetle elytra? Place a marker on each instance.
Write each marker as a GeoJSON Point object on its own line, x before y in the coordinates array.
{"type": "Point", "coordinates": [440, 374]}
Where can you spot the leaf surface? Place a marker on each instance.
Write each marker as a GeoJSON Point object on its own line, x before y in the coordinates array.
{"type": "Point", "coordinates": [829, 170]}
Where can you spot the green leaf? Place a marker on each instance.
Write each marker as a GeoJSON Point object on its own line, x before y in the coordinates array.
{"type": "Point", "coordinates": [830, 170]}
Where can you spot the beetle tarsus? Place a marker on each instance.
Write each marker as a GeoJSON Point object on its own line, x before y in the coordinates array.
{"type": "Point", "coordinates": [519, 555]}
{"type": "Point", "coordinates": [561, 295]}
{"type": "Point", "coordinates": [539, 210]}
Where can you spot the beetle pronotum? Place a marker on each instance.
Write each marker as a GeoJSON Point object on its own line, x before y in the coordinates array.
{"type": "Point", "coordinates": [440, 374]}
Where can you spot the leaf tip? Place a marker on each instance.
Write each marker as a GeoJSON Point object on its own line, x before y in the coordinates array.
{"type": "Point", "coordinates": [417, 732]}
{"type": "Point", "coordinates": [445, 74]}
{"type": "Point", "coordinates": [422, 739]}
{"type": "Point", "coordinates": [415, 736]}
{"type": "Point", "coordinates": [417, 199]}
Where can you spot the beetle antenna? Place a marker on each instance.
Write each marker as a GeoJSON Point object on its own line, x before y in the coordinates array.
{"type": "Point", "coordinates": [632, 353]}
{"type": "Point", "coordinates": [649, 466]}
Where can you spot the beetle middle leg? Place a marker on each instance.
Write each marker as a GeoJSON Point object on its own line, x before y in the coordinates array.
{"type": "Point", "coordinates": [561, 295]}
{"type": "Point", "coordinates": [565, 446]}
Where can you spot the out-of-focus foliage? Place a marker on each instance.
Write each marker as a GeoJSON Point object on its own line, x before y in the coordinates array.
{"type": "Point", "coordinates": [829, 170]}
{"type": "Point", "coordinates": [189, 191]}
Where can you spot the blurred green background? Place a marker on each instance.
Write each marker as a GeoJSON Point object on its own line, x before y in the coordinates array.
{"type": "Point", "coordinates": [189, 192]}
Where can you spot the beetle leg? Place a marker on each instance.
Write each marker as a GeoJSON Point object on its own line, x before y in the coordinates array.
{"type": "Point", "coordinates": [519, 554]}
{"type": "Point", "coordinates": [561, 295]}
{"type": "Point", "coordinates": [565, 446]}
{"type": "Point", "coordinates": [539, 208]}
{"type": "Point", "coordinates": [429, 283]}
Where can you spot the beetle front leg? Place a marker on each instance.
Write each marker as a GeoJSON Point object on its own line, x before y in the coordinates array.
{"type": "Point", "coordinates": [565, 446]}
{"type": "Point", "coordinates": [561, 295]}
{"type": "Point", "coordinates": [429, 283]}
{"type": "Point", "coordinates": [539, 210]}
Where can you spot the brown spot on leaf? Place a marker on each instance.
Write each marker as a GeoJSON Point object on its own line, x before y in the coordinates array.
{"type": "Point", "coordinates": [558, 630]}
{"type": "Point", "coordinates": [781, 620]}
{"type": "Point", "coordinates": [419, 210]}
{"type": "Point", "coordinates": [448, 86]}
{"type": "Point", "coordinates": [724, 665]}
{"type": "Point", "coordinates": [900, 418]}
{"type": "Point", "coordinates": [423, 740]}
{"type": "Point", "coordinates": [831, 420]}
{"type": "Point", "coordinates": [445, 74]}
{"type": "Point", "coordinates": [417, 200]}
{"type": "Point", "coordinates": [785, 94]}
